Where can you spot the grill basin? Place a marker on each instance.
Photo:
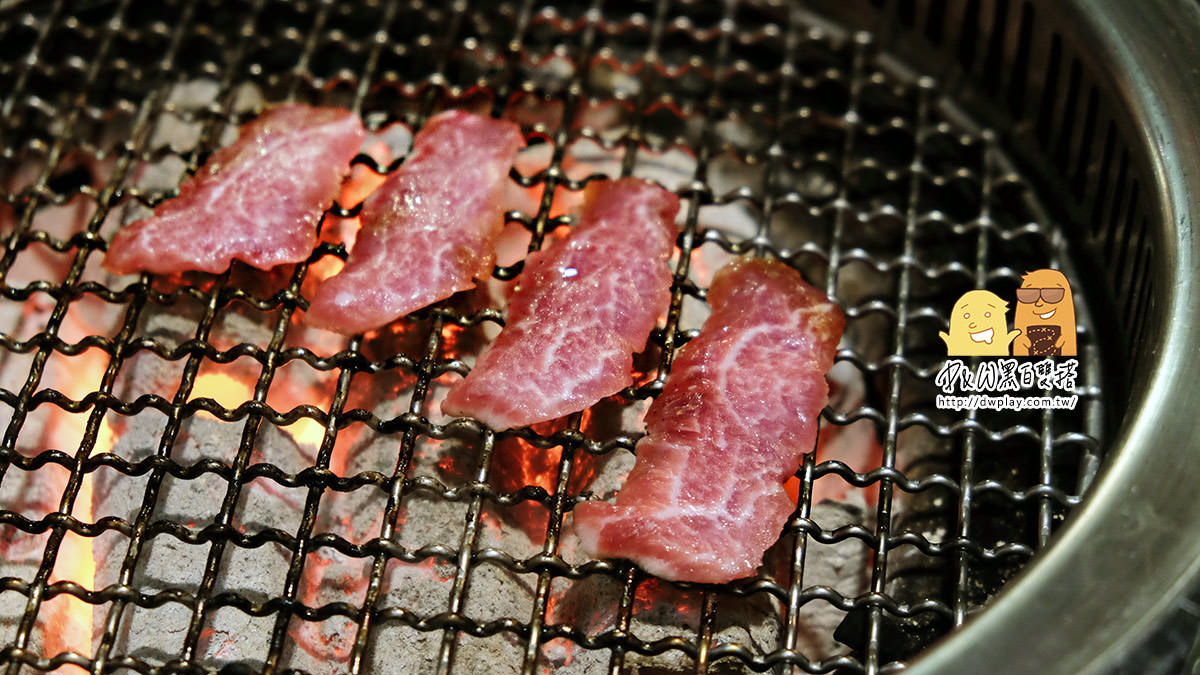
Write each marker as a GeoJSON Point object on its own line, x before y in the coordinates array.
{"type": "Point", "coordinates": [793, 132]}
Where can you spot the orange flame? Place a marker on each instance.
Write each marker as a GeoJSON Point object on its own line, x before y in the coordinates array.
{"type": "Point", "coordinates": [227, 390]}
{"type": "Point", "coordinates": [363, 181]}
{"type": "Point", "coordinates": [855, 445]}
{"type": "Point", "coordinates": [68, 621]}
{"type": "Point", "coordinates": [231, 391]}
{"type": "Point", "coordinates": [359, 185]}
{"type": "Point", "coordinates": [327, 266]}
{"type": "Point", "coordinates": [307, 432]}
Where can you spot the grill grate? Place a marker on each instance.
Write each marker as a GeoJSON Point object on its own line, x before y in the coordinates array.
{"type": "Point", "coordinates": [860, 175]}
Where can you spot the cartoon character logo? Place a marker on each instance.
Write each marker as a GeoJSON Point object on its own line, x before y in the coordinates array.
{"type": "Point", "coordinates": [1045, 315]}
{"type": "Point", "coordinates": [977, 326]}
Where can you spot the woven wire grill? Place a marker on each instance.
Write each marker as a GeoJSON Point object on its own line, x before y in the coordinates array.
{"type": "Point", "coordinates": [863, 176]}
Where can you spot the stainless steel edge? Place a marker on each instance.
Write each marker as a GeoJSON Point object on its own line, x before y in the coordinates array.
{"type": "Point", "coordinates": [1135, 545]}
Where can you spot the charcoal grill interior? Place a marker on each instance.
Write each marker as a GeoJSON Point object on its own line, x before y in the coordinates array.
{"type": "Point", "coordinates": [893, 188]}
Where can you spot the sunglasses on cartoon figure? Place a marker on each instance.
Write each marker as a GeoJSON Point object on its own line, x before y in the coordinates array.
{"type": "Point", "coordinates": [1050, 295]}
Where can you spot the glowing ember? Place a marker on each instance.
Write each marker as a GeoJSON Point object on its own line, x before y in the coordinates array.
{"type": "Point", "coordinates": [516, 464]}
{"type": "Point", "coordinates": [363, 180]}
{"type": "Point", "coordinates": [655, 595]}
{"type": "Point", "coordinates": [326, 266]}
{"type": "Point", "coordinates": [701, 266]}
{"type": "Point", "coordinates": [361, 183]}
{"type": "Point", "coordinates": [307, 432]}
{"type": "Point", "coordinates": [227, 390]}
{"type": "Point", "coordinates": [67, 620]}
{"type": "Point", "coordinates": [451, 335]}
{"type": "Point", "coordinates": [854, 445]}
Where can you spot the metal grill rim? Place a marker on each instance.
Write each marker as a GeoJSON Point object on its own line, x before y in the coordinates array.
{"type": "Point", "coordinates": [427, 98]}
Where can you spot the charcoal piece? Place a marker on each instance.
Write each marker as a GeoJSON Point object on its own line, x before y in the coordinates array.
{"type": "Point", "coordinates": [195, 502]}
{"type": "Point", "coordinates": [153, 634]}
{"type": "Point", "coordinates": [843, 566]}
{"type": "Point", "coordinates": [167, 624]}
{"type": "Point", "coordinates": [33, 495]}
{"type": "Point", "coordinates": [231, 636]}
{"type": "Point", "coordinates": [502, 654]}
{"type": "Point", "coordinates": [397, 648]}
{"type": "Point", "coordinates": [256, 574]}
{"type": "Point", "coordinates": [12, 606]}
{"type": "Point", "coordinates": [494, 593]}
{"type": "Point", "coordinates": [264, 504]}
{"type": "Point", "coordinates": [913, 576]}
{"type": "Point", "coordinates": [561, 655]}
{"type": "Point", "coordinates": [896, 640]}
{"type": "Point", "coordinates": [329, 577]}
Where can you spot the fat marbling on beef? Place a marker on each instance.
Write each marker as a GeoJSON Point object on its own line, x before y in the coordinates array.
{"type": "Point", "coordinates": [705, 498]}
{"type": "Point", "coordinates": [582, 307]}
{"type": "Point", "coordinates": [257, 200]}
{"type": "Point", "coordinates": [429, 230]}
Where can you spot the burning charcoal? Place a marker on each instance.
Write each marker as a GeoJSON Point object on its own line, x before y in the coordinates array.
{"type": "Point", "coordinates": [590, 606]}
{"type": "Point", "coordinates": [259, 572]}
{"type": "Point", "coordinates": [503, 653]}
{"type": "Point", "coordinates": [519, 530]}
{"type": "Point", "coordinates": [912, 575]}
{"type": "Point", "coordinates": [844, 566]}
{"type": "Point", "coordinates": [21, 321]}
{"type": "Point", "coordinates": [329, 576]}
{"type": "Point", "coordinates": [517, 465]}
{"type": "Point", "coordinates": [63, 623]}
{"type": "Point", "coordinates": [754, 621]}
{"type": "Point", "coordinates": [113, 494]}
{"type": "Point", "coordinates": [33, 495]}
{"type": "Point", "coordinates": [230, 636]}
{"type": "Point", "coordinates": [194, 503]}
{"type": "Point", "coordinates": [423, 588]}
{"type": "Point", "coordinates": [561, 655]}
{"type": "Point", "coordinates": [397, 648]}
{"type": "Point", "coordinates": [165, 562]}
{"type": "Point", "coordinates": [896, 640]}
{"type": "Point", "coordinates": [12, 606]}
{"type": "Point", "coordinates": [855, 444]}
{"type": "Point", "coordinates": [495, 593]}
{"type": "Point", "coordinates": [168, 624]}
{"type": "Point", "coordinates": [663, 610]}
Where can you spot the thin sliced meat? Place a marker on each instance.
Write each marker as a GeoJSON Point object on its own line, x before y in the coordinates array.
{"type": "Point", "coordinates": [705, 498]}
{"type": "Point", "coordinates": [583, 306]}
{"type": "Point", "coordinates": [430, 229]}
{"type": "Point", "coordinates": [258, 200]}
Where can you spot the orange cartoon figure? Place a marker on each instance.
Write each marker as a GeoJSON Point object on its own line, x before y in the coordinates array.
{"type": "Point", "coordinates": [977, 326]}
{"type": "Point", "coordinates": [1045, 314]}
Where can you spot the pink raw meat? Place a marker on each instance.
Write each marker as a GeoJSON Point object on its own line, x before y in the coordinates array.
{"type": "Point", "coordinates": [258, 200]}
{"type": "Point", "coordinates": [705, 498]}
{"type": "Point", "coordinates": [429, 231]}
{"type": "Point", "coordinates": [582, 307]}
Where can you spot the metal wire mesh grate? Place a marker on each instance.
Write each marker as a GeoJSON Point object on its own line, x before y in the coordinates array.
{"type": "Point", "coordinates": [862, 176]}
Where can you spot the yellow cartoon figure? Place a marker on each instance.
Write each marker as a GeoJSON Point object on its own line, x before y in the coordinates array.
{"type": "Point", "coordinates": [977, 326]}
{"type": "Point", "coordinates": [1045, 314]}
